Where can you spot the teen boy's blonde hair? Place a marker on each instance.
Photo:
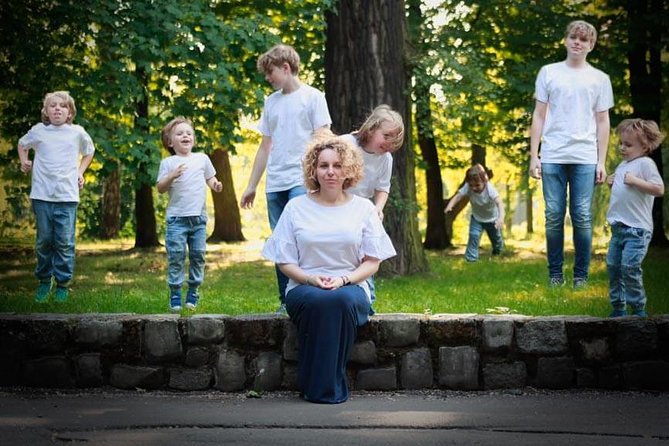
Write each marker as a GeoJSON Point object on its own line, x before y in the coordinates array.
{"type": "Point", "coordinates": [166, 133]}
{"type": "Point", "coordinates": [582, 29]}
{"type": "Point", "coordinates": [277, 56]}
{"type": "Point", "coordinates": [647, 131]}
{"type": "Point", "coordinates": [381, 114]}
{"type": "Point", "coordinates": [351, 162]}
{"type": "Point", "coordinates": [63, 96]}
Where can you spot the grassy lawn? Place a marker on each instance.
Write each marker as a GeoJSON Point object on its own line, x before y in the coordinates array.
{"type": "Point", "coordinates": [115, 279]}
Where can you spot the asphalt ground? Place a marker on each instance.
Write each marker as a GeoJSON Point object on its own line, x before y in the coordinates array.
{"type": "Point", "coordinates": [518, 417]}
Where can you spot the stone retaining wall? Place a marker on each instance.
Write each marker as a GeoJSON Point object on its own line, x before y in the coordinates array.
{"type": "Point", "coordinates": [394, 351]}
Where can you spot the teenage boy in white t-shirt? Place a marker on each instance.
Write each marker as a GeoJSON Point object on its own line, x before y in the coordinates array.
{"type": "Point", "coordinates": [289, 118]}
{"type": "Point", "coordinates": [571, 122]}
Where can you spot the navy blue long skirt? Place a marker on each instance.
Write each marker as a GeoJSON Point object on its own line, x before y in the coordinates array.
{"type": "Point", "coordinates": [327, 324]}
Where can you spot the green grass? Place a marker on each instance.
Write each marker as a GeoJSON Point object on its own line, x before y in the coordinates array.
{"type": "Point", "coordinates": [113, 280]}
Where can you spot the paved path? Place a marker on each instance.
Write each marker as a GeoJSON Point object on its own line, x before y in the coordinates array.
{"type": "Point", "coordinates": [403, 418]}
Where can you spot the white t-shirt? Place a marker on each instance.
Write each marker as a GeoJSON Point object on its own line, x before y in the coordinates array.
{"type": "Point", "coordinates": [574, 97]}
{"type": "Point", "coordinates": [290, 120]}
{"type": "Point", "coordinates": [484, 208]}
{"type": "Point", "coordinates": [55, 171]}
{"type": "Point", "coordinates": [188, 192]}
{"type": "Point", "coordinates": [628, 204]}
{"type": "Point", "coordinates": [378, 169]}
{"type": "Point", "coordinates": [328, 240]}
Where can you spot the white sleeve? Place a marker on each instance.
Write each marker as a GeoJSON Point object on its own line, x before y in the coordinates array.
{"type": "Point", "coordinates": [281, 247]}
{"type": "Point", "coordinates": [86, 146]}
{"type": "Point", "coordinates": [605, 97]}
{"type": "Point", "coordinates": [320, 116]}
{"type": "Point", "coordinates": [540, 90]}
{"type": "Point", "coordinates": [384, 177]}
{"type": "Point", "coordinates": [464, 190]}
{"type": "Point", "coordinates": [30, 139]}
{"type": "Point", "coordinates": [492, 191]}
{"type": "Point", "coordinates": [163, 169]}
{"type": "Point", "coordinates": [375, 241]}
{"type": "Point", "coordinates": [209, 170]}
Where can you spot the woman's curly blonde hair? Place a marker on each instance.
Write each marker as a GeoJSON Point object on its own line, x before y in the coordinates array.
{"type": "Point", "coordinates": [351, 160]}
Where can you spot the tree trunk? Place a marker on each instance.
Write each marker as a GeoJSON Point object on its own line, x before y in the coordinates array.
{"type": "Point", "coordinates": [146, 235]}
{"type": "Point", "coordinates": [111, 204]}
{"type": "Point", "coordinates": [435, 232]}
{"type": "Point", "coordinates": [645, 29]}
{"type": "Point", "coordinates": [365, 66]}
{"type": "Point", "coordinates": [227, 220]}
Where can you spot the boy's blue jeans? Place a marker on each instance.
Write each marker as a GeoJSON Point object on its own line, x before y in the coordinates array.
{"type": "Point", "coordinates": [54, 245]}
{"type": "Point", "coordinates": [581, 181]}
{"type": "Point", "coordinates": [185, 232]}
{"type": "Point", "coordinates": [476, 228]}
{"type": "Point", "coordinates": [276, 202]}
{"type": "Point", "coordinates": [627, 249]}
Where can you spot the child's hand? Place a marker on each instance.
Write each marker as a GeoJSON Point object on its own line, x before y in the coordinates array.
{"type": "Point", "coordinates": [217, 186]}
{"type": "Point", "coordinates": [535, 168]}
{"type": "Point", "coordinates": [448, 209]}
{"type": "Point", "coordinates": [379, 212]}
{"type": "Point", "coordinates": [176, 173]}
{"type": "Point", "coordinates": [26, 166]}
{"type": "Point", "coordinates": [81, 181]}
{"type": "Point", "coordinates": [610, 179]}
{"type": "Point", "coordinates": [499, 223]}
{"type": "Point", "coordinates": [629, 179]}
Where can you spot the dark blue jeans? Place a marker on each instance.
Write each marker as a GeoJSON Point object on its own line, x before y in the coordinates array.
{"type": "Point", "coordinates": [54, 245]}
{"type": "Point", "coordinates": [476, 228]}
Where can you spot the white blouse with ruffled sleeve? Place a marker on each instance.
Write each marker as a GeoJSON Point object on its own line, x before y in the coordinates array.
{"type": "Point", "coordinates": [328, 240]}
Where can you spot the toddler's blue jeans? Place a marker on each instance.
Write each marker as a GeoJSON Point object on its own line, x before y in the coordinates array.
{"type": "Point", "coordinates": [627, 249]}
{"type": "Point", "coordinates": [185, 232]}
{"type": "Point", "coordinates": [476, 228]}
{"type": "Point", "coordinates": [54, 245]}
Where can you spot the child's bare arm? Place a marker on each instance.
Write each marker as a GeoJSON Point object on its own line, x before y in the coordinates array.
{"type": "Point", "coordinates": [259, 166]}
{"type": "Point", "coordinates": [380, 199]}
{"type": "Point", "coordinates": [499, 223]}
{"type": "Point", "coordinates": [451, 204]}
{"type": "Point", "coordinates": [26, 164]}
{"type": "Point", "coordinates": [537, 127]}
{"type": "Point", "coordinates": [603, 129]}
{"type": "Point", "coordinates": [654, 189]}
{"type": "Point", "coordinates": [83, 165]}
{"type": "Point", "coordinates": [214, 184]}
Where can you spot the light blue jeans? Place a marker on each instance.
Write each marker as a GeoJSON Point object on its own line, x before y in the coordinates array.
{"type": "Point", "coordinates": [185, 232]}
{"type": "Point", "coordinates": [54, 244]}
{"type": "Point", "coordinates": [627, 249]}
{"type": "Point", "coordinates": [580, 178]}
{"type": "Point", "coordinates": [276, 202]}
{"type": "Point", "coordinates": [476, 228]}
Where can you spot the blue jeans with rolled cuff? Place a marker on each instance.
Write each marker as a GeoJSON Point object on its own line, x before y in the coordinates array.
{"type": "Point", "coordinates": [185, 233]}
{"type": "Point", "coordinates": [627, 249]}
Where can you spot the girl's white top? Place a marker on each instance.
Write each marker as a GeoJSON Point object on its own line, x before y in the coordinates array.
{"type": "Point", "coordinates": [58, 150]}
{"type": "Point", "coordinates": [328, 240]}
{"type": "Point", "coordinates": [484, 208]}
{"type": "Point", "coordinates": [188, 192]}
{"type": "Point", "coordinates": [628, 204]}
{"type": "Point", "coordinates": [378, 169]}
{"type": "Point", "coordinates": [574, 97]}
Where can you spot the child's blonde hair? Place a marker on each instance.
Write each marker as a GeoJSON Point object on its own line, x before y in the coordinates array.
{"type": "Point", "coordinates": [277, 56]}
{"type": "Point", "coordinates": [382, 113]}
{"type": "Point", "coordinates": [476, 174]}
{"type": "Point", "coordinates": [647, 131]}
{"type": "Point", "coordinates": [351, 161]}
{"type": "Point", "coordinates": [62, 95]}
{"type": "Point", "coordinates": [166, 133]}
{"type": "Point", "coordinates": [582, 28]}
